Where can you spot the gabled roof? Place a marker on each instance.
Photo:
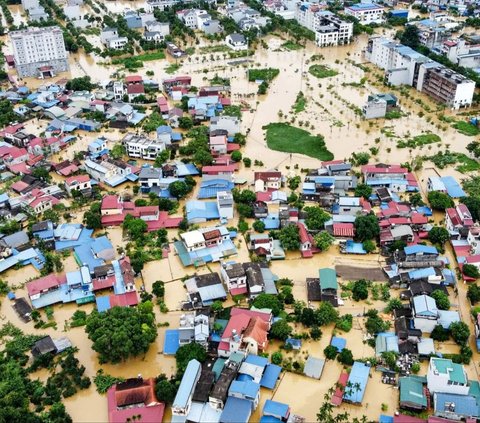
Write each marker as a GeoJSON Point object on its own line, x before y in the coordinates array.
{"type": "Point", "coordinates": [328, 279]}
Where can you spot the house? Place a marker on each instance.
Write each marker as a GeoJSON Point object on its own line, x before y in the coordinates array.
{"type": "Point", "coordinates": [80, 183]}
{"type": "Point", "coordinates": [235, 277]}
{"type": "Point", "coordinates": [218, 144]}
{"type": "Point", "coordinates": [135, 86]}
{"type": "Point", "coordinates": [276, 410]}
{"type": "Point", "coordinates": [246, 332]}
{"type": "Point", "coordinates": [203, 290]}
{"type": "Point", "coordinates": [267, 181]}
{"type": "Point", "coordinates": [236, 410]}
{"type": "Point", "coordinates": [366, 13]}
{"type": "Point", "coordinates": [264, 246]}
{"type": "Point", "coordinates": [134, 399]}
{"type": "Point", "coordinates": [328, 286]}
{"type": "Point", "coordinates": [425, 313]}
{"type": "Point", "coordinates": [357, 383]}
{"type": "Point", "coordinates": [149, 177]}
{"type": "Point", "coordinates": [231, 124]}
{"type": "Point", "coordinates": [445, 376]}
{"type": "Point", "coordinates": [394, 177]}
{"type": "Point", "coordinates": [379, 105]}
{"type": "Point", "coordinates": [306, 241]}
{"type": "Point", "coordinates": [194, 327]}
{"type": "Point", "coordinates": [44, 346]}
{"type": "Point", "coordinates": [142, 147]}
{"type": "Point", "coordinates": [225, 204]}
{"type": "Point", "coordinates": [456, 407]}
{"type": "Point", "coordinates": [183, 400]}
{"type": "Point", "coordinates": [219, 394]}
{"type": "Point", "coordinates": [458, 221]}
{"type": "Point", "coordinates": [236, 42]}
{"type": "Point", "coordinates": [110, 38]}
{"type": "Point", "coordinates": [412, 394]}
{"type": "Point", "coordinates": [245, 390]}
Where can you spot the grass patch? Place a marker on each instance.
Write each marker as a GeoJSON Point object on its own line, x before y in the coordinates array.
{"type": "Point", "coordinates": [267, 74]}
{"type": "Point", "coordinates": [290, 45]}
{"type": "Point", "coordinates": [172, 68]}
{"type": "Point", "coordinates": [300, 103]}
{"type": "Point", "coordinates": [467, 164]}
{"type": "Point", "coordinates": [322, 71]}
{"type": "Point", "coordinates": [136, 62]}
{"type": "Point", "coordinates": [214, 49]}
{"type": "Point", "coordinates": [393, 114]}
{"type": "Point", "coordinates": [464, 163]}
{"type": "Point", "coordinates": [466, 128]}
{"type": "Point", "coordinates": [419, 140]}
{"type": "Point", "coordinates": [286, 138]}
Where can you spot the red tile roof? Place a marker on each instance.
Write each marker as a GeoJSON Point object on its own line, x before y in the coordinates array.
{"type": "Point", "coordinates": [237, 323]}
{"type": "Point", "coordinates": [218, 169]}
{"type": "Point", "coordinates": [302, 231]}
{"type": "Point", "coordinates": [79, 179]}
{"type": "Point", "coordinates": [453, 215]}
{"type": "Point", "coordinates": [133, 78]}
{"type": "Point", "coordinates": [252, 313]}
{"type": "Point", "coordinates": [110, 202]}
{"type": "Point", "coordinates": [47, 282]}
{"type": "Point", "coordinates": [344, 230]}
{"type": "Point", "coordinates": [267, 176]}
{"type": "Point", "coordinates": [257, 329]}
{"type": "Point", "coordinates": [19, 186]}
{"type": "Point", "coordinates": [104, 283]}
{"type": "Point", "coordinates": [124, 300]}
{"type": "Point", "coordinates": [382, 170]}
{"type": "Point", "coordinates": [135, 89]}
{"type": "Point", "coordinates": [337, 397]}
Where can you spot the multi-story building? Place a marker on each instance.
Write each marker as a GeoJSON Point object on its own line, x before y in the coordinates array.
{"type": "Point", "coordinates": [446, 376]}
{"type": "Point", "coordinates": [404, 65]}
{"type": "Point", "coordinates": [331, 30]}
{"type": "Point", "coordinates": [366, 13]}
{"type": "Point", "coordinates": [225, 204]}
{"type": "Point", "coordinates": [39, 52]}
{"type": "Point", "coordinates": [142, 147]}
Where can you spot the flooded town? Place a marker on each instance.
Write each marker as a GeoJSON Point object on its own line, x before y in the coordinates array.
{"type": "Point", "coordinates": [239, 211]}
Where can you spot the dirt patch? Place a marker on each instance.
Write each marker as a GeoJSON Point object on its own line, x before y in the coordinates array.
{"type": "Point", "coordinates": [355, 272]}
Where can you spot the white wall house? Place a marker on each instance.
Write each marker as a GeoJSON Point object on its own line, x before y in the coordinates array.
{"type": "Point", "coordinates": [140, 146]}
{"type": "Point", "coordinates": [236, 42]}
{"type": "Point", "coordinates": [366, 13]}
{"type": "Point", "coordinates": [446, 376]}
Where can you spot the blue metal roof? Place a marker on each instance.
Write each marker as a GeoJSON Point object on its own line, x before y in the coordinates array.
{"type": "Point", "coordinates": [100, 244]}
{"type": "Point", "coordinates": [187, 385]}
{"type": "Point", "coordinates": [246, 388]}
{"type": "Point", "coordinates": [256, 360]}
{"type": "Point", "coordinates": [447, 317]}
{"type": "Point", "coordinates": [453, 188]}
{"type": "Point", "coordinates": [418, 248]}
{"type": "Point", "coordinates": [276, 409]}
{"type": "Point", "coordinates": [171, 342]}
{"type": "Point", "coordinates": [421, 273]}
{"type": "Point", "coordinates": [339, 343]}
{"type": "Point", "coordinates": [385, 419]}
{"type": "Point", "coordinates": [270, 419]}
{"type": "Point", "coordinates": [197, 211]}
{"type": "Point", "coordinates": [465, 405]}
{"type": "Point", "coordinates": [357, 381]}
{"type": "Point", "coordinates": [103, 303]}
{"type": "Point", "coordinates": [270, 376]}
{"type": "Point", "coordinates": [236, 410]}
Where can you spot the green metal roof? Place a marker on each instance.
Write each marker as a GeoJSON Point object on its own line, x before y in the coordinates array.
{"type": "Point", "coordinates": [455, 371]}
{"type": "Point", "coordinates": [328, 279]}
{"type": "Point", "coordinates": [218, 367]}
{"type": "Point", "coordinates": [411, 391]}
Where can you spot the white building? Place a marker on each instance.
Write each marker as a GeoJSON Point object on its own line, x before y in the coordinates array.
{"type": "Point", "coordinates": [142, 147]}
{"type": "Point", "coordinates": [366, 13]}
{"type": "Point", "coordinates": [404, 65]}
{"type": "Point", "coordinates": [331, 30]}
{"type": "Point", "coordinates": [39, 52]}
{"type": "Point", "coordinates": [446, 376]}
{"type": "Point", "coordinates": [231, 124]}
{"type": "Point", "coordinates": [225, 204]}
{"type": "Point", "coordinates": [236, 42]}
{"type": "Point", "coordinates": [110, 38]}
{"type": "Point", "coordinates": [78, 183]}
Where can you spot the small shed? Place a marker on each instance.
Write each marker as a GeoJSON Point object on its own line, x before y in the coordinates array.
{"type": "Point", "coordinates": [270, 376]}
{"type": "Point", "coordinates": [313, 367]}
{"type": "Point", "coordinates": [296, 344]}
{"type": "Point", "coordinates": [44, 346]}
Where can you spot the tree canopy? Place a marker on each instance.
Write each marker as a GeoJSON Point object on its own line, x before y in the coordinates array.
{"type": "Point", "coordinates": [438, 235]}
{"type": "Point", "coordinates": [409, 36]}
{"type": "Point", "coordinates": [135, 227]}
{"type": "Point", "coordinates": [122, 332]}
{"type": "Point", "coordinates": [363, 190]}
{"type": "Point", "coordinates": [269, 301]}
{"type": "Point", "coordinates": [460, 332]}
{"type": "Point", "coordinates": [439, 200]}
{"type": "Point", "coordinates": [280, 330]}
{"type": "Point", "coordinates": [83, 83]}
{"type": "Point", "coordinates": [289, 237]}
{"type": "Point", "coordinates": [316, 218]}
{"type": "Point", "coordinates": [471, 271]}
{"type": "Point", "coordinates": [366, 227]}
{"type": "Point", "coordinates": [189, 352]}
{"type": "Point", "coordinates": [360, 290]}
{"type": "Point", "coordinates": [441, 299]}
{"type": "Point", "coordinates": [323, 240]}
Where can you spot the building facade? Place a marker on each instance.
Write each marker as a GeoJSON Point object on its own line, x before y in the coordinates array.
{"type": "Point", "coordinates": [39, 52]}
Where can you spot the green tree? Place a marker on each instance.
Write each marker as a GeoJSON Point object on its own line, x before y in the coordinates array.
{"type": "Point", "coordinates": [276, 358]}
{"type": "Point", "coordinates": [165, 391]}
{"type": "Point", "coordinates": [247, 162]}
{"type": "Point", "coordinates": [158, 289]}
{"type": "Point", "coordinates": [153, 121]}
{"type": "Point", "coordinates": [294, 182]}
{"type": "Point", "coordinates": [185, 122]}
{"type": "Point", "coordinates": [410, 36]}
{"type": "Point", "coordinates": [363, 190]}
{"type": "Point", "coordinates": [325, 314]}
{"type": "Point", "coordinates": [416, 199]}
{"type": "Point", "coordinates": [366, 227]}
{"type": "Point", "coordinates": [179, 189]}
{"type": "Point", "coordinates": [345, 357]}
{"type": "Point", "coordinates": [316, 218]}
{"type": "Point", "coordinates": [93, 218]}
{"type": "Point", "coordinates": [438, 235]}
{"type": "Point", "coordinates": [439, 200]}
{"type": "Point", "coordinates": [122, 332]}
{"type": "Point", "coordinates": [471, 271]}
{"type": "Point", "coordinates": [393, 304]}
{"type": "Point", "coordinates": [460, 332]}
{"type": "Point", "coordinates": [41, 173]}
{"type": "Point", "coordinates": [258, 226]}
{"type": "Point", "coordinates": [202, 157]}
{"type": "Point", "coordinates": [242, 226]}
{"type": "Point", "coordinates": [473, 293]}
{"type": "Point", "coordinates": [236, 156]}
{"type": "Point", "coordinates": [269, 301]}
{"type": "Point", "coordinates": [441, 299]}
{"type": "Point", "coordinates": [374, 323]}
{"type": "Point", "coordinates": [51, 215]}
{"type": "Point", "coordinates": [323, 240]}
{"type": "Point", "coordinates": [369, 246]}
{"type": "Point", "coordinates": [7, 115]}
{"type": "Point", "coordinates": [360, 290]}
{"type": "Point", "coordinates": [162, 158]}
{"type": "Point", "coordinates": [118, 151]}
{"type": "Point", "coordinates": [280, 330]}
{"type": "Point", "coordinates": [315, 333]}
{"type": "Point", "coordinates": [330, 352]}
{"type": "Point", "coordinates": [135, 227]}
{"type": "Point", "coordinates": [440, 334]}
{"type": "Point", "coordinates": [289, 237]}
{"type": "Point", "coordinates": [83, 83]}
{"type": "Point", "coordinates": [188, 352]}
{"type": "Point", "coordinates": [217, 306]}
{"type": "Point", "coordinates": [390, 359]}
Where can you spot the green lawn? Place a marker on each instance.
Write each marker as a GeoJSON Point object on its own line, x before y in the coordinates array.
{"type": "Point", "coordinates": [419, 140]}
{"type": "Point", "coordinates": [172, 68]}
{"type": "Point", "coordinates": [466, 128]}
{"type": "Point", "coordinates": [286, 138]}
{"type": "Point", "coordinates": [300, 103]}
{"type": "Point", "coordinates": [267, 74]}
{"type": "Point", "coordinates": [290, 45]}
{"type": "Point", "coordinates": [322, 71]}
{"type": "Point", "coordinates": [467, 164]}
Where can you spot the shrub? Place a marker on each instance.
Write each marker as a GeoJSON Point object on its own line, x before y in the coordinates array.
{"type": "Point", "coordinates": [345, 357]}
{"type": "Point", "coordinates": [330, 352]}
{"type": "Point", "coordinates": [440, 334]}
{"type": "Point", "coordinates": [360, 290]}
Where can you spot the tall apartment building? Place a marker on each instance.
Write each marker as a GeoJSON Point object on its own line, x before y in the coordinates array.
{"type": "Point", "coordinates": [329, 29]}
{"type": "Point", "coordinates": [39, 52]}
{"type": "Point", "coordinates": [404, 65]}
{"type": "Point", "coordinates": [366, 13]}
